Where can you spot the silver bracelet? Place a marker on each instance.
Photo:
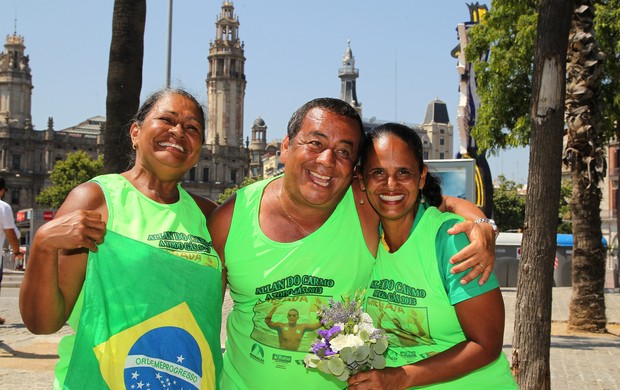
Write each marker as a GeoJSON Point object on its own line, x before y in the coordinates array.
{"type": "Point", "coordinates": [490, 222]}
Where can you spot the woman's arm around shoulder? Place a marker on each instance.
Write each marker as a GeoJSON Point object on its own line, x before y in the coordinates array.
{"type": "Point", "coordinates": [58, 256]}
{"type": "Point", "coordinates": [479, 256]}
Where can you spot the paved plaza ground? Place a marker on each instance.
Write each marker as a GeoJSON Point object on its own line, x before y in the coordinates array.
{"type": "Point", "coordinates": [578, 361]}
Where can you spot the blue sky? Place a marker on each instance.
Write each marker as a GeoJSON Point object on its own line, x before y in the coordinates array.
{"type": "Point", "coordinates": [293, 51]}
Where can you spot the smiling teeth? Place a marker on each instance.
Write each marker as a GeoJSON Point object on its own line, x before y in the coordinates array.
{"type": "Point", "coordinates": [322, 180]}
{"type": "Point", "coordinates": [168, 144]}
{"type": "Point", "coordinates": [391, 198]}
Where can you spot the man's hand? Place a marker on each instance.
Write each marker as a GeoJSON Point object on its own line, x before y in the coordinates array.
{"type": "Point", "coordinates": [479, 255]}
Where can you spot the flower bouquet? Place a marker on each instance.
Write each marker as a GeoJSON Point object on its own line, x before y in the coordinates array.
{"type": "Point", "coordinates": [349, 342]}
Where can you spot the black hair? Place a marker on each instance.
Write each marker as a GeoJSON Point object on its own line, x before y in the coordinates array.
{"type": "Point", "coordinates": [2, 183]}
{"type": "Point", "coordinates": [432, 189]}
{"type": "Point", "coordinates": [336, 106]}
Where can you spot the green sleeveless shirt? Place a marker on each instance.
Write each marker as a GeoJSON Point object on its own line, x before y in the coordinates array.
{"type": "Point", "coordinates": [411, 296]}
{"type": "Point", "coordinates": [138, 224]}
{"type": "Point", "coordinates": [273, 284]}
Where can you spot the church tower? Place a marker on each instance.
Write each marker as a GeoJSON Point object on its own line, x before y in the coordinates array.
{"type": "Point", "coordinates": [348, 75]}
{"type": "Point", "coordinates": [15, 85]}
{"type": "Point", "coordinates": [226, 82]}
{"type": "Point", "coordinates": [224, 159]}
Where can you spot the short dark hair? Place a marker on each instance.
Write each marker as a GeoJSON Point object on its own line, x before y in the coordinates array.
{"type": "Point", "coordinates": [2, 183]}
{"type": "Point", "coordinates": [336, 106]}
{"type": "Point", "coordinates": [432, 187]}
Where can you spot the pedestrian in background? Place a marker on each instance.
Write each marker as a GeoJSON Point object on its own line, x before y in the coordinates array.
{"type": "Point", "coordinates": [7, 230]}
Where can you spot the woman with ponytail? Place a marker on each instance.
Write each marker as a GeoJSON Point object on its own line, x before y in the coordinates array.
{"type": "Point", "coordinates": [442, 334]}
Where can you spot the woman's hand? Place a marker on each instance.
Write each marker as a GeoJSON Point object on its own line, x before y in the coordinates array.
{"type": "Point", "coordinates": [479, 255]}
{"type": "Point", "coordinates": [75, 230]}
{"type": "Point", "coordinates": [386, 379]}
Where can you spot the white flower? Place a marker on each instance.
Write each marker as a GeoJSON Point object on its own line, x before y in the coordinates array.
{"type": "Point", "coordinates": [366, 323]}
{"type": "Point", "coordinates": [345, 340]}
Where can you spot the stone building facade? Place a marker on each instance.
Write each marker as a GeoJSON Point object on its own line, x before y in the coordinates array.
{"type": "Point", "coordinates": [27, 156]}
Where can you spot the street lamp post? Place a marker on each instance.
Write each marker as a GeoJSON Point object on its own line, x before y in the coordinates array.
{"type": "Point", "coordinates": [169, 45]}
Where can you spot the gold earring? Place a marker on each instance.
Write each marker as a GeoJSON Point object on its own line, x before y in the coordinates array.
{"type": "Point", "coordinates": [362, 201]}
{"type": "Point", "coordinates": [133, 146]}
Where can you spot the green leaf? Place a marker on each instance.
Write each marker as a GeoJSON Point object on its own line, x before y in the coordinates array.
{"type": "Point", "coordinates": [322, 366]}
{"type": "Point", "coordinates": [378, 362]}
{"type": "Point", "coordinates": [361, 353]}
{"type": "Point", "coordinates": [345, 375]}
{"type": "Point", "coordinates": [336, 365]}
{"type": "Point", "coordinates": [380, 346]}
{"type": "Point", "coordinates": [346, 354]}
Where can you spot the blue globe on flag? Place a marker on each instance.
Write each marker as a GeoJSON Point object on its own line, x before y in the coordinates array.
{"type": "Point", "coordinates": [164, 358]}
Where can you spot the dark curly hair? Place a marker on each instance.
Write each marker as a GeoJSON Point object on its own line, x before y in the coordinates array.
{"type": "Point", "coordinates": [432, 189]}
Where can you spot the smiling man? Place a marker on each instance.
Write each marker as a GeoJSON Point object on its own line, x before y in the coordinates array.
{"type": "Point", "coordinates": [279, 236]}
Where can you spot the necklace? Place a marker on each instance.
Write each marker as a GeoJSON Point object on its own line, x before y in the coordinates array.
{"type": "Point", "coordinates": [279, 196]}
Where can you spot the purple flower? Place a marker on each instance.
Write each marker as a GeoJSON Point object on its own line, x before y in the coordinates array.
{"type": "Point", "coordinates": [328, 334]}
{"type": "Point", "coordinates": [318, 346]}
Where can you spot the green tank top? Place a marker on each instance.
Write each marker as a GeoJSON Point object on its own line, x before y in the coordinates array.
{"type": "Point", "coordinates": [276, 289]}
{"type": "Point", "coordinates": [179, 228]}
{"type": "Point", "coordinates": [412, 293]}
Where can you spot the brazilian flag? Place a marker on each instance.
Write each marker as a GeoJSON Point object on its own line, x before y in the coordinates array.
{"type": "Point", "coordinates": [150, 320]}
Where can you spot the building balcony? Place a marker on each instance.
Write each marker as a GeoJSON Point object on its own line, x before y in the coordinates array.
{"type": "Point", "coordinates": [348, 71]}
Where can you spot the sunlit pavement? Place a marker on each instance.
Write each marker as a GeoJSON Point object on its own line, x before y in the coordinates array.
{"type": "Point", "coordinates": [577, 362]}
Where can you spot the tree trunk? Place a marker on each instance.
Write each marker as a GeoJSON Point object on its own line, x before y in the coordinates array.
{"type": "Point", "coordinates": [124, 81]}
{"type": "Point", "coordinates": [532, 333]}
{"type": "Point", "coordinates": [586, 157]}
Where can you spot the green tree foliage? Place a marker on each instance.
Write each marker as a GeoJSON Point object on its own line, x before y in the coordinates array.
{"type": "Point", "coordinates": [508, 205]}
{"type": "Point", "coordinates": [66, 175]}
{"type": "Point", "coordinates": [228, 192]}
{"type": "Point", "coordinates": [607, 29]}
{"type": "Point", "coordinates": [505, 78]}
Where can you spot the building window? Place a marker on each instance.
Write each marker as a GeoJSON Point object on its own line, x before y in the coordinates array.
{"type": "Point", "coordinates": [16, 162]}
{"type": "Point", "coordinates": [441, 156]}
{"type": "Point", "coordinates": [442, 141]}
{"type": "Point", "coordinates": [192, 174]}
{"type": "Point", "coordinates": [233, 175]}
{"type": "Point", "coordinates": [15, 197]}
{"type": "Point", "coordinates": [205, 174]}
{"type": "Point", "coordinates": [426, 155]}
